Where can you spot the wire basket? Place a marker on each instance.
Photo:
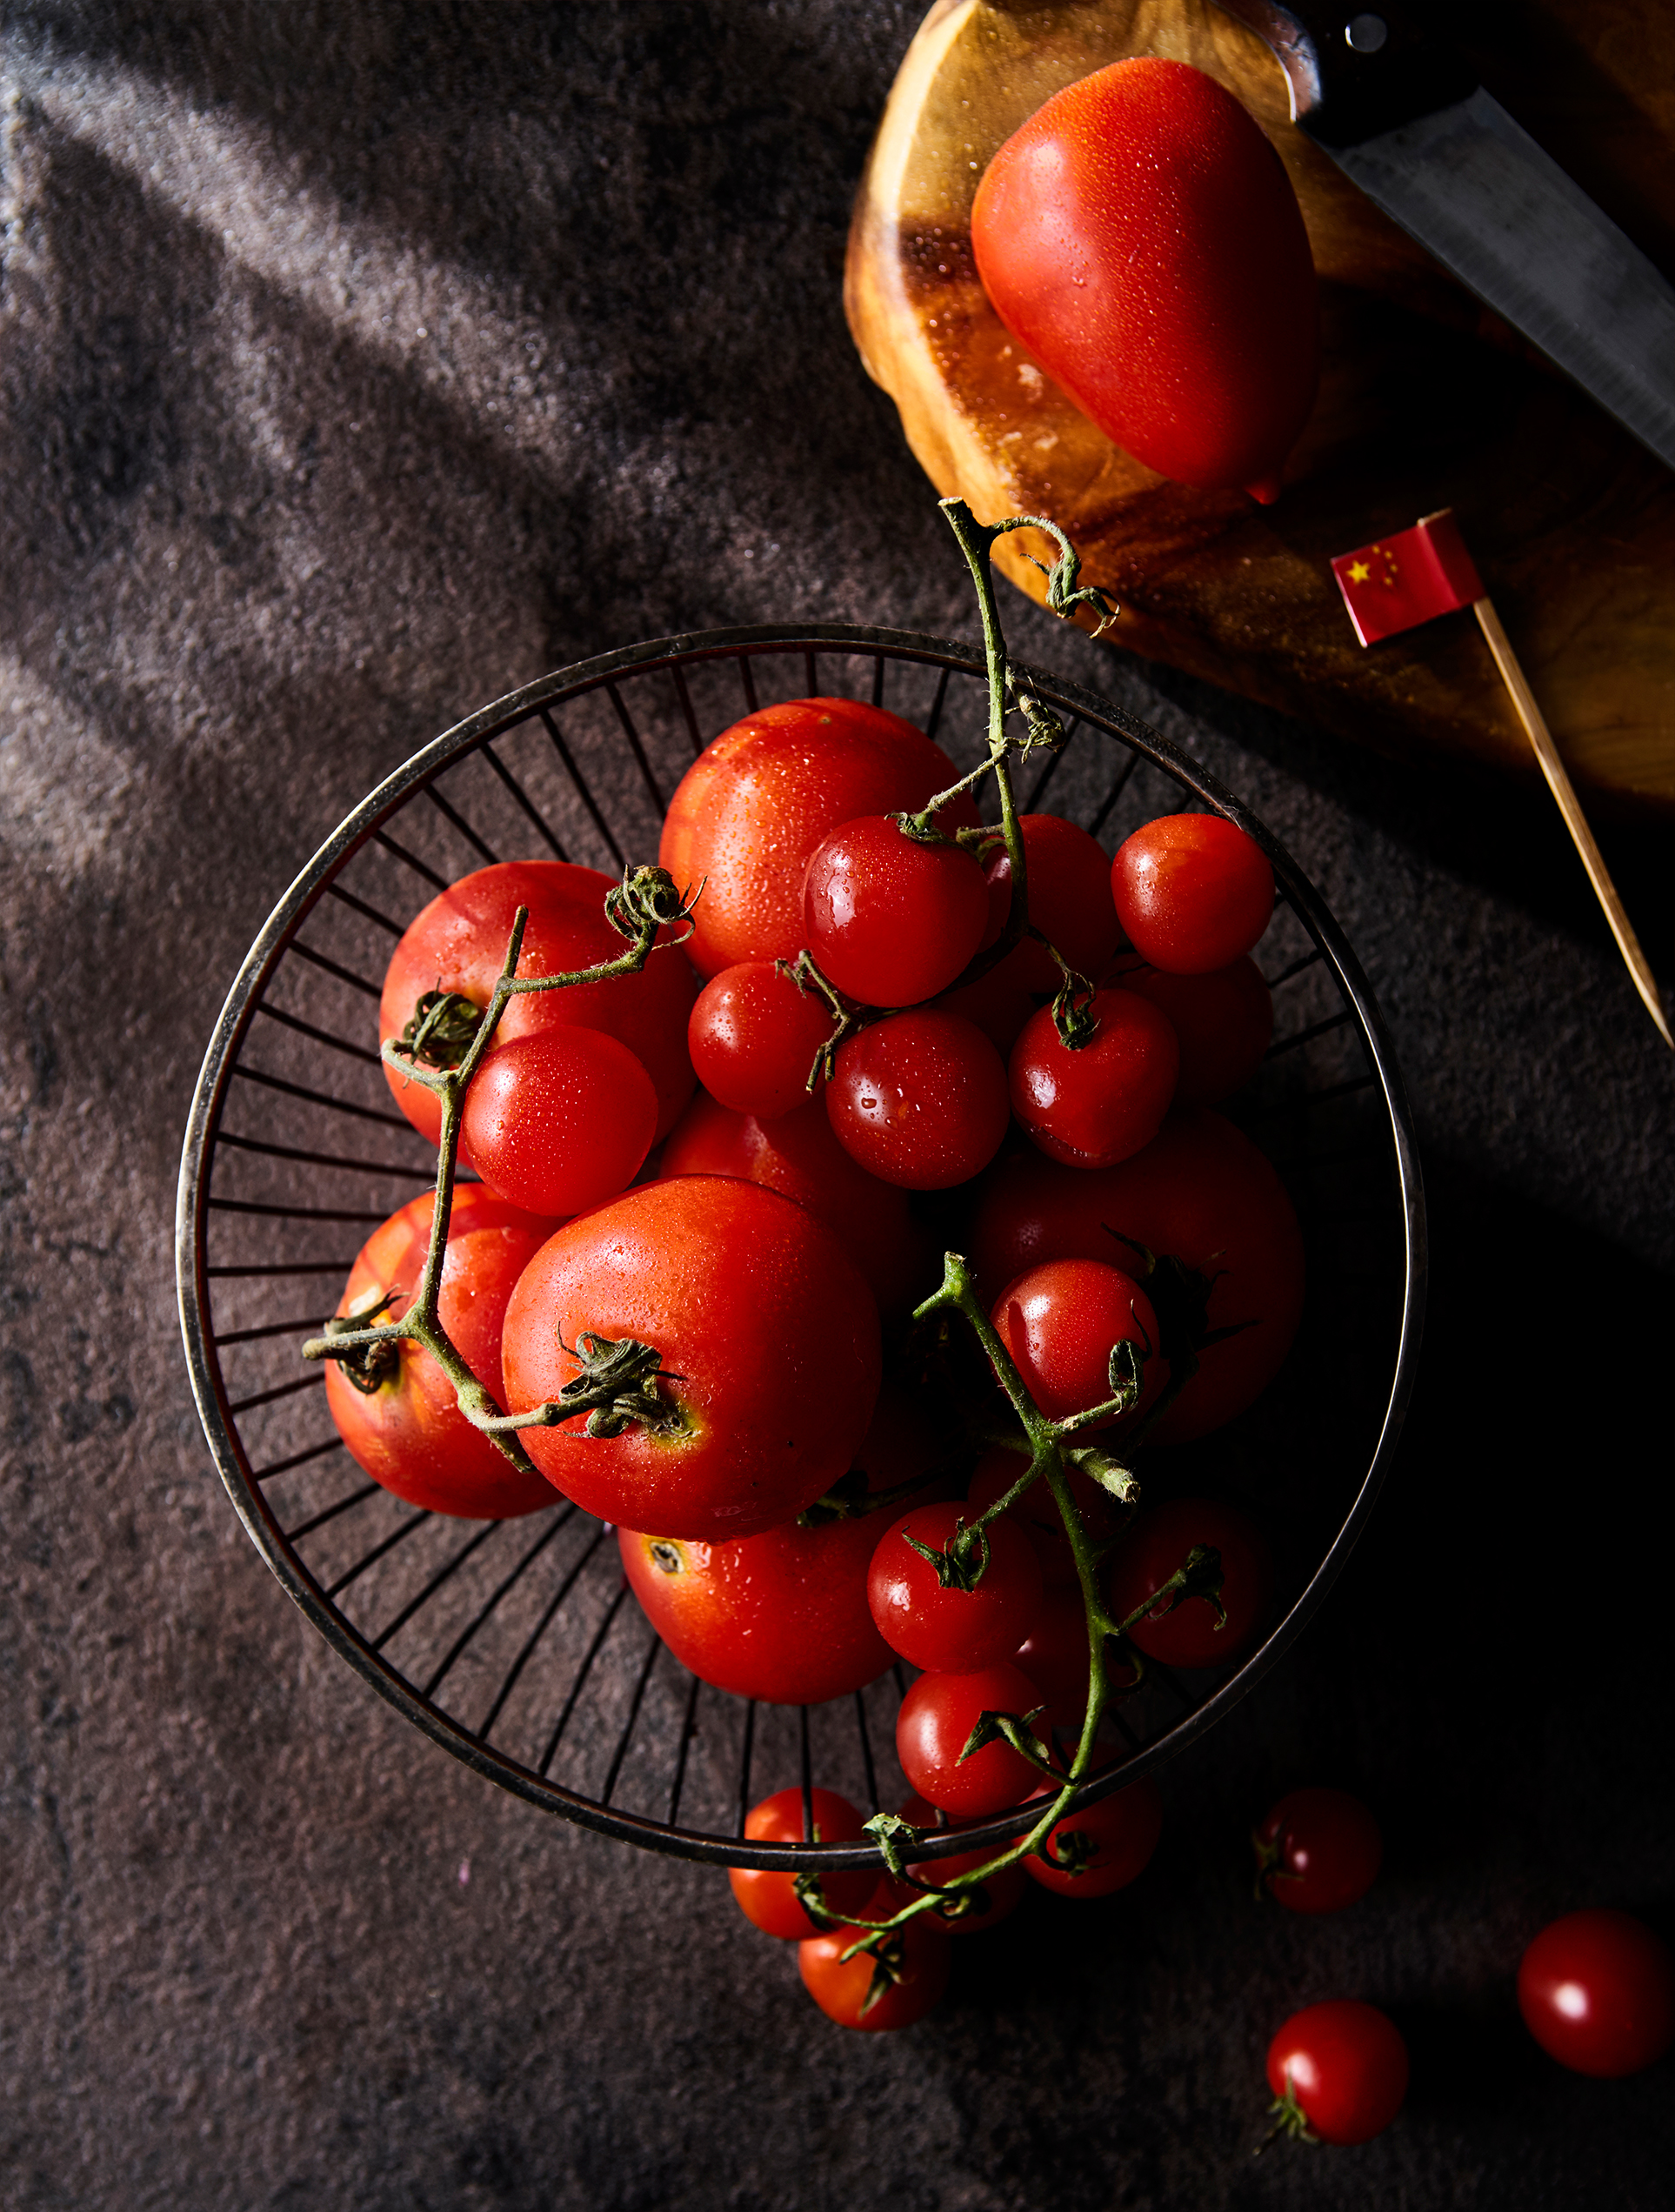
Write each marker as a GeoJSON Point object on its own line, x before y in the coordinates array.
{"type": "Point", "coordinates": [515, 1644]}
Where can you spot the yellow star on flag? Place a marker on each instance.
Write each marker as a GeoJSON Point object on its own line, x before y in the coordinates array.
{"type": "Point", "coordinates": [1358, 572]}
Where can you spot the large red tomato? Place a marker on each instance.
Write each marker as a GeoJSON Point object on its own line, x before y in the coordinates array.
{"type": "Point", "coordinates": [408, 1431]}
{"type": "Point", "coordinates": [1201, 1191]}
{"type": "Point", "coordinates": [798, 1155]}
{"type": "Point", "coordinates": [1141, 236]}
{"type": "Point", "coordinates": [784, 1616]}
{"type": "Point", "coordinates": [769, 1344]}
{"type": "Point", "coordinates": [752, 807]}
{"type": "Point", "coordinates": [458, 943]}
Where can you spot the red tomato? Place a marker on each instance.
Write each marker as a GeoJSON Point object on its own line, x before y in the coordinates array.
{"type": "Point", "coordinates": [1222, 1022]}
{"type": "Point", "coordinates": [1003, 1893]}
{"type": "Point", "coordinates": [913, 1976]}
{"type": "Point", "coordinates": [770, 1900]}
{"type": "Point", "coordinates": [782, 1616]}
{"type": "Point", "coordinates": [1201, 1191]}
{"type": "Point", "coordinates": [751, 808]}
{"type": "Point", "coordinates": [889, 921]}
{"type": "Point", "coordinates": [409, 1432]}
{"type": "Point", "coordinates": [1317, 1851]}
{"type": "Point", "coordinates": [935, 1724]}
{"type": "Point", "coordinates": [1000, 1002]}
{"type": "Point", "coordinates": [1346, 2066]}
{"type": "Point", "coordinates": [1193, 892]}
{"type": "Point", "coordinates": [1597, 1991]}
{"type": "Point", "coordinates": [1156, 1546]}
{"type": "Point", "coordinates": [1141, 236]}
{"type": "Point", "coordinates": [559, 1119]}
{"type": "Point", "coordinates": [919, 1101]}
{"type": "Point", "coordinates": [770, 1349]}
{"type": "Point", "coordinates": [1119, 1835]}
{"type": "Point", "coordinates": [753, 1035]}
{"type": "Point", "coordinates": [798, 1155]}
{"type": "Point", "coordinates": [953, 1630]}
{"type": "Point", "coordinates": [1038, 1513]}
{"type": "Point", "coordinates": [1062, 1321]}
{"type": "Point", "coordinates": [1055, 1657]}
{"type": "Point", "coordinates": [458, 943]}
{"type": "Point", "coordinates": [1094, 1104]}
{"type": "Point", "coordinates": [1070, 902]}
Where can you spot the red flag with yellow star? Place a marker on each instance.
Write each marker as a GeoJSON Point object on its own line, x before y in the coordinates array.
{"type": "Point", "coordinates": [1413, 577]}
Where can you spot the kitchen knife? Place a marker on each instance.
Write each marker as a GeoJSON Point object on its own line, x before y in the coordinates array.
{"type": "Point", "coordinates": [1404, 116]}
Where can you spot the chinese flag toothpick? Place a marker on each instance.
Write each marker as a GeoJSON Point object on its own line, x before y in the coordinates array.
{"type": "Point", "coordinates": [1422, 573]}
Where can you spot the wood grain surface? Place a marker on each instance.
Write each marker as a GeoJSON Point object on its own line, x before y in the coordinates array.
{"type": "Point", "coordinates": [1427, 400]}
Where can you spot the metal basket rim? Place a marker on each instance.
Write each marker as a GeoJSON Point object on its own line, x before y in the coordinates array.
{"type": "Point", "coordinates": [274, 939]}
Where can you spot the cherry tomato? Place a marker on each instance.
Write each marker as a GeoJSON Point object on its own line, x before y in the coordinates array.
{"type": "Point", "coordinates": [782, 1616]}
{"type": "Point", "coordinates": [1094, 1104]}
{"type": "Point", "coordinates": [1038, 1512]}
{"type": "Point", "coordinates": [1597, 1991]}
{"type": "Point", "coordinates": [1140, 236]}
{"type": "Point", "coordinates": [999, 1002]}
{"type": "Point", "coordinates": [1345, 2065]}
{"type": "Point", "coordinates": [1155, 1546]}
{"type": "Point", "coordinates": [862, 1992]}
{"type": "Point", "coordinates": [769, 1342]}
{"type": "Point", "coordinates": [753, 1035]}
{"type": "Point", "coordinates": [919, 1101]}
{"type": "Point", "coordinates": [770, 1900]}
{"type": "Point", "coordinates": [1193, 892]}
{"type": "Point", "coordinates": [1201, 1191]}
{"type": "Point", "coordinates": [1069, 900]}
{"type": "Point", "coordinates": [1001, 1894]}
{"type": "Point", "coordinates": [1221, 1021]}
{"type": "Point", "coordinates": [407, 1431]}
{"type": "Point", "coordinates": [1062, 1321]}
{"type": "Point", "coordinates": [751, 808]}
{"type": "Point", "coordinates": [935, 1724]}
{"type": "Point", "coordinates": [458, 943]}
{"type": "Point", "coordinates": [558, 1120]}
{"type": "Point", "coordinates": [889, 921]}
{"type": "Point", "coordinates": [1055, 1657]}
{"type": "Point", "coordinates": [1118, 1837]}
{"type": "Point", "coordinates": [947, 1628]}
{"type": "Point", "coordinates": [798, 1155]}
{"type": "Point", "coordinates": [1317, 1851]}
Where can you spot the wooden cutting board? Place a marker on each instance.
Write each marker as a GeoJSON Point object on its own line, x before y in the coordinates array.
{"type": "Point", "coordinates": [1426, 401]}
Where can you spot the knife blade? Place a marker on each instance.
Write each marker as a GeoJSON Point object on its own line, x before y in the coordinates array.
{"type": "Point", "coordinates": [1404, 117]}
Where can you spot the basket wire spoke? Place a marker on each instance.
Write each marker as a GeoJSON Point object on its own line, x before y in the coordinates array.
{"type": "Point", "coordinates": [579, 758]}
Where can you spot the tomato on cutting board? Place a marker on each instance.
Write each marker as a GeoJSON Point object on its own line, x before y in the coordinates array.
{"type": "Point", "coordinates": [1141, 236]}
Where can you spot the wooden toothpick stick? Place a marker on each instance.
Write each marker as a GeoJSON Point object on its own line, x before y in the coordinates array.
{"type": "Point", "coordinates": [1570, 807]}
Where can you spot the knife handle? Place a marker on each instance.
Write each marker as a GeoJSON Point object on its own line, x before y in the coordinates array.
{"type": "Point", "coordinates": [1357, 69]}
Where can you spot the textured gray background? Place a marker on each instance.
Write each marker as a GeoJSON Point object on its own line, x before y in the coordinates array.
{"type": "Point", "coordinates": [358, 364]}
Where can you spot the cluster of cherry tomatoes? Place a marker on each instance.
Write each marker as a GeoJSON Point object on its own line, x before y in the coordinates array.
{"type": "Point", "coordinates": [713, 1352]}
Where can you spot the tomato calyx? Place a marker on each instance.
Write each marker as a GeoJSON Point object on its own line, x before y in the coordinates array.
{"type": "Point", "coordinates": [1072, 1009]}
{"type": "Point", "coordinates": [648, 898]}
{"type": "Point", "coordinates": [441, 1030]}
{"type": "Point", "coordinates": [618, 1381]}
{"type": "Point", "coordinates": [962, 1565]}
{"type": "Point", "coordinates": [1289, 2119]}
{"type": "Point", "coordinates": [1072, 1852]}
{"type": "Point", "coordinates": [1012, 1729]}
{"type": "Point", "coordinates": [368, 1366]}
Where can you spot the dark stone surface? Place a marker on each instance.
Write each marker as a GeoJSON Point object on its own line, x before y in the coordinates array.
{"type": "Point", "coordinates": [359, 363]}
